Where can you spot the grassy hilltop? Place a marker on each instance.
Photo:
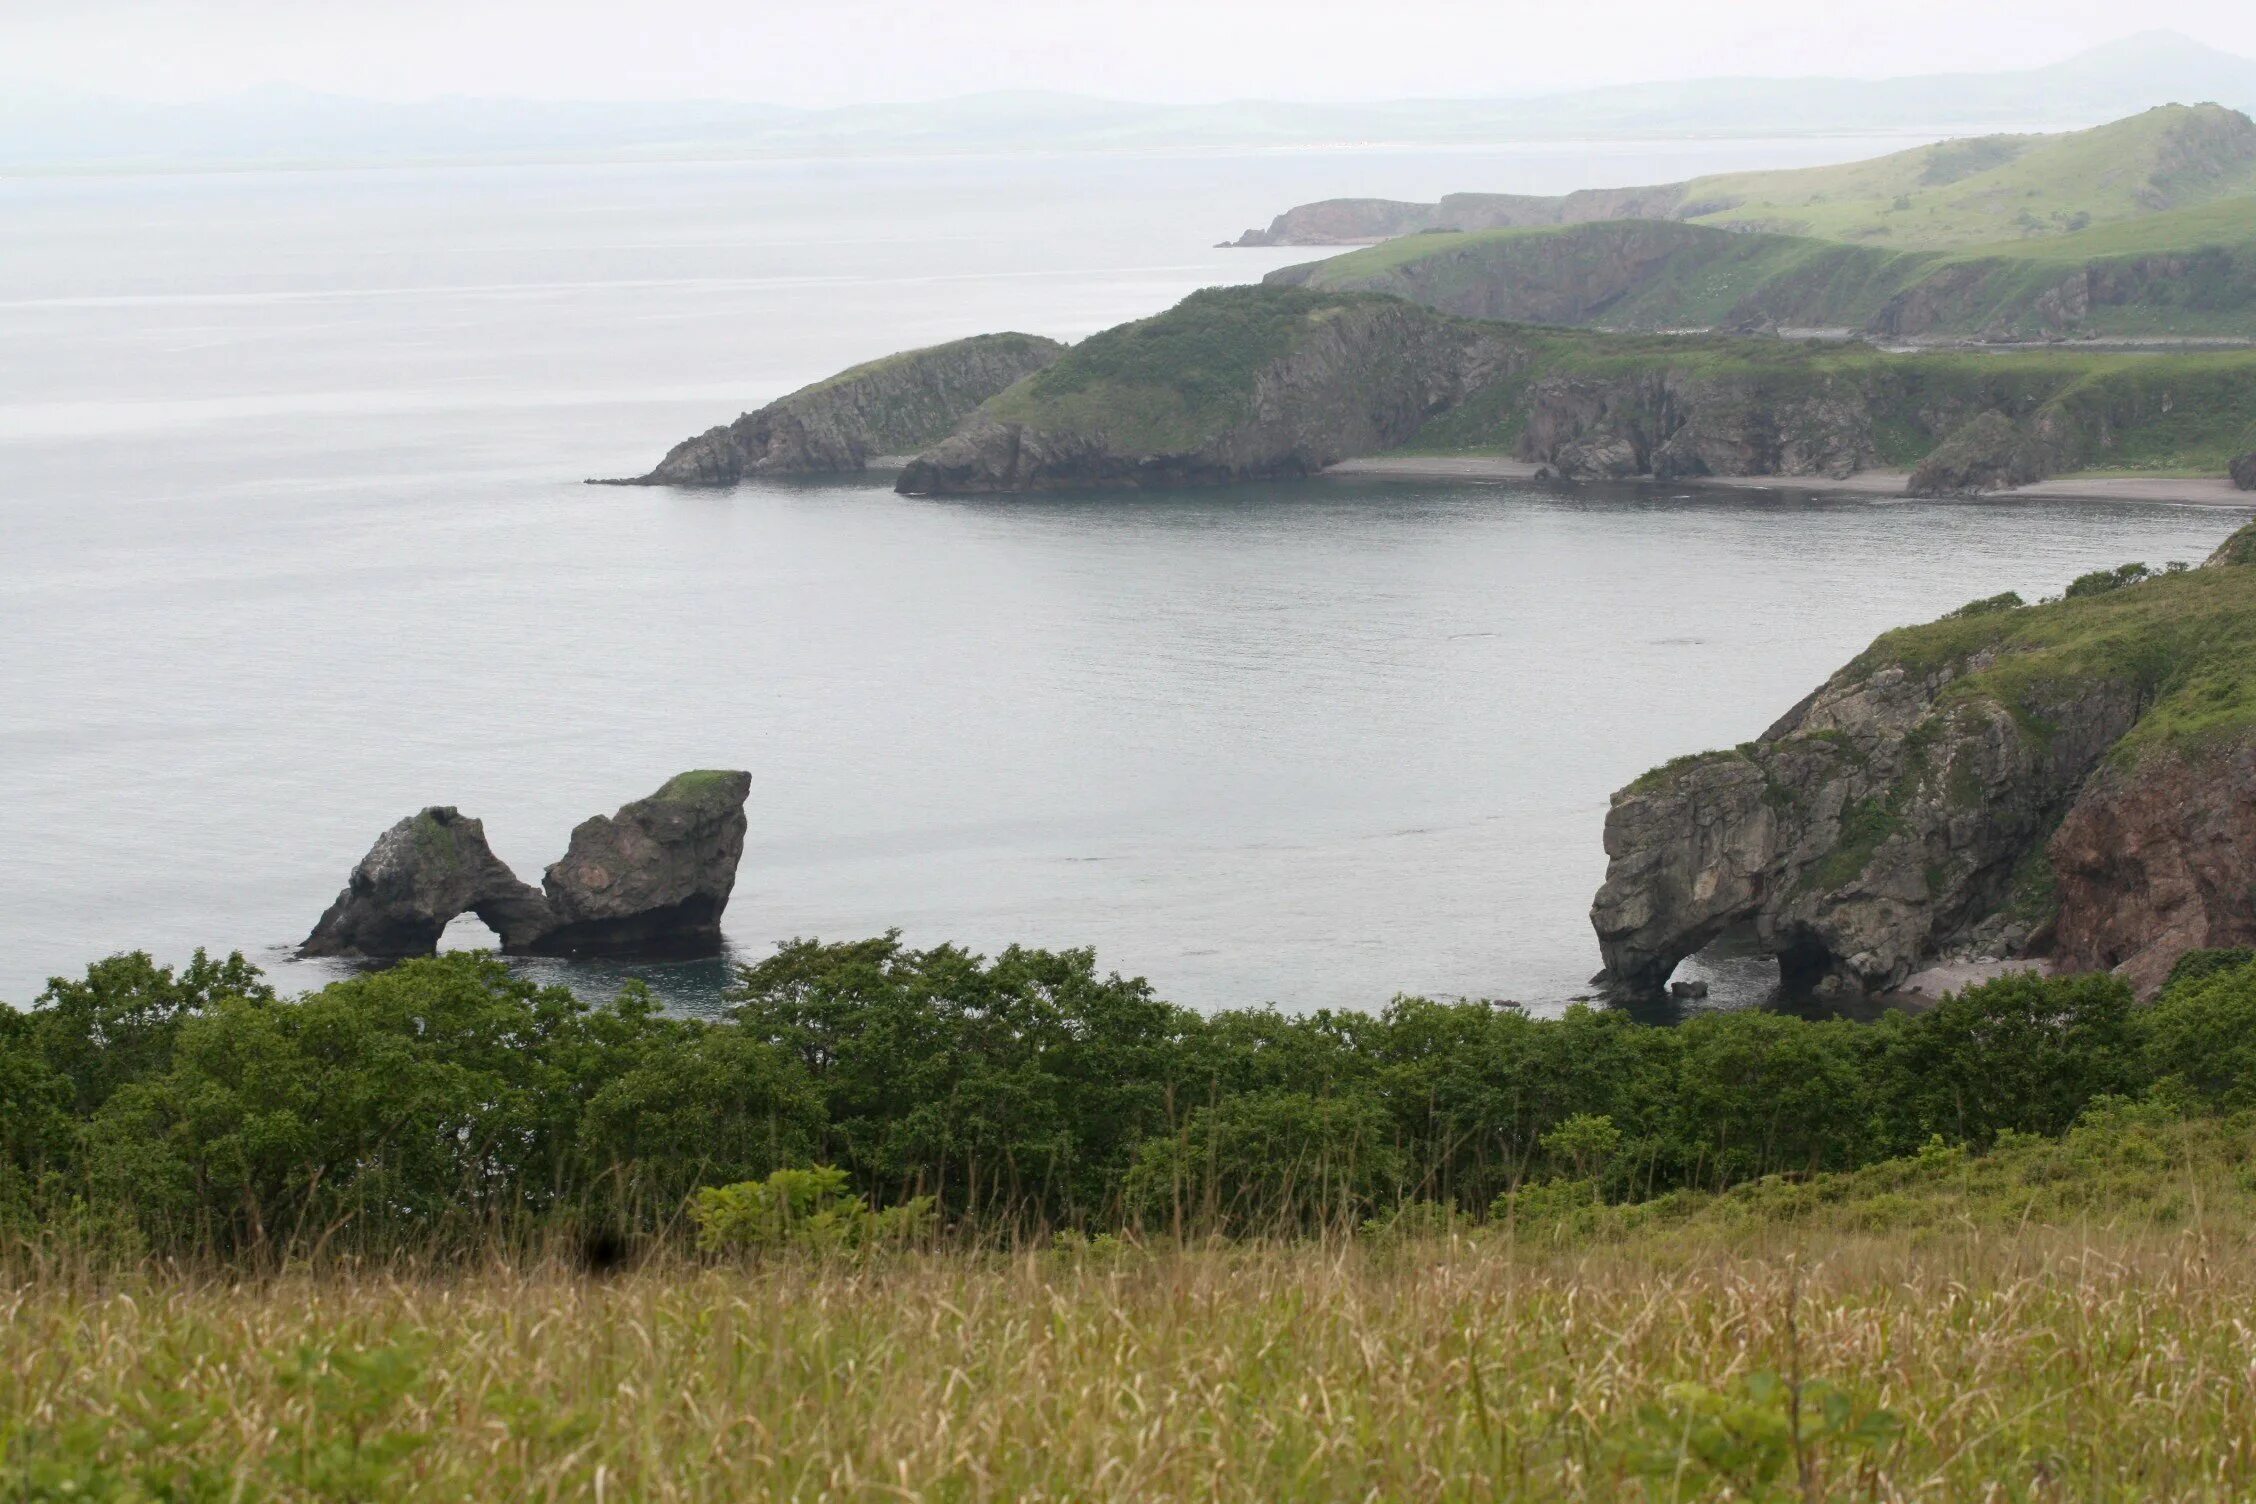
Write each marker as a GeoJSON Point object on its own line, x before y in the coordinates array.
{"type": "Point", "coordinates": [2189, 272]}
{"type": "Point", "coordinates": [2143, 227]}
{"type": "Point", "coordinates": [1985, 189]}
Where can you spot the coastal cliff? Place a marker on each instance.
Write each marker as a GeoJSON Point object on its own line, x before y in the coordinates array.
{"type": "Point", "coordinates": [1659, 275]}
{"type": "Point", "coordinates": [1232, 384]}
{"type": "Point", "coordinates": [2076, 778]}
{"type": "Point", "coordinates": [891, 406]}
{"type": "Point", "coordinates": [1265, 382]}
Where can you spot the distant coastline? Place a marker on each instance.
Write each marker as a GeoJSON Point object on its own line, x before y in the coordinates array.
{"type": "Point", "coordinates": [2177, 490]}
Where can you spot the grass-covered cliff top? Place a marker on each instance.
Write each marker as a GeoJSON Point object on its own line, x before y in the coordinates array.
{"type": "Point", "coordinates": [1993, 188]}
{"type": "Point", "coordinates": [1174, 380]}
{"type": "Point", "coordinates": [1713, 277]}
{"type": "Point", "coordinates": [2186, 638]}
{"type": "Point", "coordinates": [1029, 344]}
{"type": "Point", "coordinates": [700, 783]}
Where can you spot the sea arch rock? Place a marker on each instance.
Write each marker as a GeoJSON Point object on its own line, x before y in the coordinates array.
{"type": "Point", "coordinates": [419, 875]}
{"type": "Point", "coordinates": [651, 880]}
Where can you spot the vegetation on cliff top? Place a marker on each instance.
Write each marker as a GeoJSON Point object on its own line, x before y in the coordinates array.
{"type": "Point", "coordinates": [1994, 188]}
{"type": "Point", "coordinates": [1970, 236]}
{"type": "Point", "coordinates": [1712, 278]}
{"type": "Point", "coordinates": [2186, 639]}
{"type": "Point", "coordinates": [1177, 379]}
{"type": "Point", "coordinates": [974, 344]}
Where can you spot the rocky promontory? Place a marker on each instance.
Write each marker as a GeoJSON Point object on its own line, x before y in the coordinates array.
{"type": "Point", "coordinates": [2243, 471]}
{"type": "Point", "coordinates": [2074, 779]}
{"type": "Point", "coordinates": [1232, 384]}
{"type": "Point", "coordinates": [649, 880]}
{"type": "Point", "coordinates": [891, 406]}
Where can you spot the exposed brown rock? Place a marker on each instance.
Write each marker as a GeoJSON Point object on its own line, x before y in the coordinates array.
{"type": "Point", "coordinates": [2157, 860]}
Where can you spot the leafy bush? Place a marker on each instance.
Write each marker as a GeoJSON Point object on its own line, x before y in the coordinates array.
{"type": "Point", "coordinates": [2101, 581]}
{"type": "Point", "coordinates": [441, 1104]}
{"type": "Point", "coordinates": [1988, 605]}
{"type": "Point", "coordinates": [809, 1210]}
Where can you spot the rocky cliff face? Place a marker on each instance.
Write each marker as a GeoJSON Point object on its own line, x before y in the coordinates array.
{"type": "Point", "coordinates": [1352, 377]}
{"type": "Point", "coordinates": [2243, 472]}
{"type": "Point", "coordinates": [650, 880]}
{"type": "Point", "coordinates": [1991, 453]}
{"type": "Point", "coordinates": [891, 406]}
{"type": "Point", "coordinates": [1672, 424]}
{"type": "Point", "coordinates": [2156, 860]}
{"type": "Point", "coordinates": [2080, 774]}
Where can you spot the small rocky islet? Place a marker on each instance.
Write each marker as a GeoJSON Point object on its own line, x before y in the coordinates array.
{"type": "Point", "coordinates": [649, 881]}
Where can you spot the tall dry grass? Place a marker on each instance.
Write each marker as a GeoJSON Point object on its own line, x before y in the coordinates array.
{"type": "Point", "coordinates": [2028, 1363]}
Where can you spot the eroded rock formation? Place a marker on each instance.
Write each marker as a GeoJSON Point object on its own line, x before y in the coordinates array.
{"type": "Point", "coordinates": [2243, 472]}
{"type": "Point", "coordinates": [892, 406]}
{"type": "Point", "coordinates": [654, 876]}
{"type": "Point", "coordinates": [652, 879]}
{"type": "Point", "coordinates": [417, 877]}
{"type": "Point", "coordinates": [2074, 775]}
{"type": "Point", "coordinates": [1671, 424]}
{"type": "Point", "coordinates": [1991, 453]}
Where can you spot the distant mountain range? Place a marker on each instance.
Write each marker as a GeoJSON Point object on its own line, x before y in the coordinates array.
{"type": "Point", "coordinates": [287, 127]}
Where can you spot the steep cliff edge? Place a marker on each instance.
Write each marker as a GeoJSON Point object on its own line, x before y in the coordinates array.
{"type": "Point", "coordinates": [2079, 775]}
{"type": "Point", "coordinates": [891, 406]}
{"type": "Point", "coordinates": [1231, 384]}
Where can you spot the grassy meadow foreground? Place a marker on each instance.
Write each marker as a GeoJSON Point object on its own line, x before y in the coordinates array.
{"type": "Point", "coordinates": [2057, 1320]}
{"type": "Point", "coordinates": [917, 1225]}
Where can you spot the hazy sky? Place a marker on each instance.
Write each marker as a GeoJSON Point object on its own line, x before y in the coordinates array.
{"type": "Point", "coordinates": [820, 52]}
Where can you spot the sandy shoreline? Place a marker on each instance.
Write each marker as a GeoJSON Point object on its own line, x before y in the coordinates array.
{"type": "Point", "coordinates": [2213, 491]}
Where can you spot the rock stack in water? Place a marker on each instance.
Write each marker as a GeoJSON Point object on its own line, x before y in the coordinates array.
{"type": "Point", "coordinates": [654, 876]}
{"type": "Point", "coordinates": [651, 880]}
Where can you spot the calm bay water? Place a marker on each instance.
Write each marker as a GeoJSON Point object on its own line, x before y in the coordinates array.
{"type": "Point", "coordinates": [295, 545]}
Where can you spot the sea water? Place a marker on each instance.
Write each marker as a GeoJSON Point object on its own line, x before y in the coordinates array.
{"type": "Point", "coordinates": [295, 544]}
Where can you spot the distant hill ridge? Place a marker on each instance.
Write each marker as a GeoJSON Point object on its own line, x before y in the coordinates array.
{"type": "Point", "coordinates": [1954, 193]}
{"type": "Point", "coordinates": [279, 127]}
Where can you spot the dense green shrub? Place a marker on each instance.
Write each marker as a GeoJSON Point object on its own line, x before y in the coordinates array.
{"type": "Point", "coordinates": [442, 1103]}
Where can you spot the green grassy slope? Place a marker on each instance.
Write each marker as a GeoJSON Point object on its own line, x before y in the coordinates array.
{"type": "Point", "coordinates": [1994, 188]}
{"type": "Point", "coordinates": [2189, 272]}
{"type": "Point", "coordinates": [1175, 379]}
{"type": "Point", "coordinates": [2188, 639]}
